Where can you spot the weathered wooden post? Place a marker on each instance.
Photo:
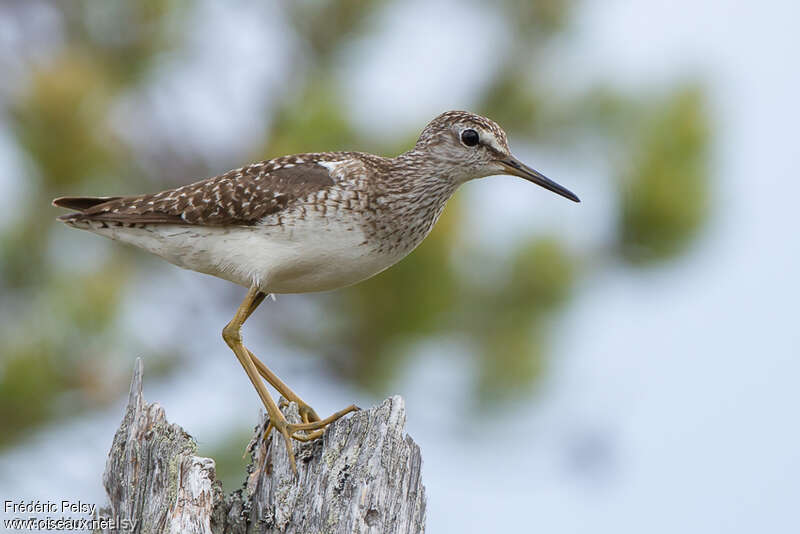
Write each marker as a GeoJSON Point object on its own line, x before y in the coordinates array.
{"type": "Point", "coordinates": [362, 476]}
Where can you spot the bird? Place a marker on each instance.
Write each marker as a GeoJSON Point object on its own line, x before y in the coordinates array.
{"type": "Point", "coordinates": [305, 223]}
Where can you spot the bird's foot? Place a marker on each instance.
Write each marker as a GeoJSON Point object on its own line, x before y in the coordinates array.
{"type": "Point", "coordinates": [305, 431]}
{"type": "Point", "coordinates": [307, 413]}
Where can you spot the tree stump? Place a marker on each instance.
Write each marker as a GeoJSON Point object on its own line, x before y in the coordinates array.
{"type": "Point", "coordinates": [362, 476]}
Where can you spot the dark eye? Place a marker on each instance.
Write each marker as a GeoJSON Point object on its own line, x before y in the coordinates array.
{"type": "Point", "coordinates": [469, 137]}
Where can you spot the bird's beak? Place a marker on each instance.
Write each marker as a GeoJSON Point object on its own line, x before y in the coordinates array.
{"type": "Point", "coordinates": [515, 167]}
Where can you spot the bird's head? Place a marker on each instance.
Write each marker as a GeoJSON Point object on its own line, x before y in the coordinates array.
{"type": "Point", "coordinates": [473, 147]}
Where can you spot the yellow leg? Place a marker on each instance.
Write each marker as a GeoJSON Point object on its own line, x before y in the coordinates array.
{"type": "Point", "coordinates": [307, 413]}
{"type": "Point", "coordinates": [254, 367]}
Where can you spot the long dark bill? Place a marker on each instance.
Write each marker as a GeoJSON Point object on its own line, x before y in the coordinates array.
{"type": "Point", "coordinates": [516, 168]}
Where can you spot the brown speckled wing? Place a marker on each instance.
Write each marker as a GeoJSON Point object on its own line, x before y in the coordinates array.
{"type": "Point", "coordinates": [239, 197]}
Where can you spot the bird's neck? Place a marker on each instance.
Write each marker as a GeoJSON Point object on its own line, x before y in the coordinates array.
{"type": "Point", "coordinates": [424, 170]}
{"type": "Point", "coordinates": [419, 180]}
{"type": "Point", "coordinates": [415, 193]}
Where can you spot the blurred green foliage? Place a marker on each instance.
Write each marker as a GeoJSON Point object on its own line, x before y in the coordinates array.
{"type": "Point", "coordinates": [511, 326]}
{"type": "Point", "coordinates": [59, 326]}
{"type": "Point", "coordinates": [60, 120]}
{"type": "Point", "coordinates": [327, 25]}
{"type": "Point", "coordinates": [665, 192]}
{"type": "Point", "coordinates": [312, 121]}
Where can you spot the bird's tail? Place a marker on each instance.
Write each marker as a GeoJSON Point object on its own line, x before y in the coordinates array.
{"type": "Point", "coordinates": [80, 205]}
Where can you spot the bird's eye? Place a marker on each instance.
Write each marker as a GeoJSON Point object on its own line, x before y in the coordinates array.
{"type": "Point", "coordinates": [469, 137]}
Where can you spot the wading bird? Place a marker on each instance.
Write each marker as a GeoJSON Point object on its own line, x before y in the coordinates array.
{"type": "Point", "coordinates": [304, 223]}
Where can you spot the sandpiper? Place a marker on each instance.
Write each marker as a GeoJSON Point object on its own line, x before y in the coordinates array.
{"type": "Point", "coordinates": [304, 223]}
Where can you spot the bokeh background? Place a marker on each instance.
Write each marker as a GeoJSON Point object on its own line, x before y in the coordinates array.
{"type": "Point", "coordinates": [630, 363]}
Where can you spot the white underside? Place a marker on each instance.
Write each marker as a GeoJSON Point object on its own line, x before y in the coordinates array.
{"type": "Point", "coordinates": [271, 258]}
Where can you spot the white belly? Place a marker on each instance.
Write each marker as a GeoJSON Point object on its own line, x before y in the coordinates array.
{"type": "Point", "coordinates": [272, 258]}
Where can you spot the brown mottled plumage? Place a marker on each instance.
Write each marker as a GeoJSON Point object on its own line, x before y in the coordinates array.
{"type": "Point", "coordinates": [307, 222]}
{"type": "Point", "coordinates": [239, 197]}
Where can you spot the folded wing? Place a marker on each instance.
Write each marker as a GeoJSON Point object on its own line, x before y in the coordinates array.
{"type": "Point", "coordinates": [239, 197]}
